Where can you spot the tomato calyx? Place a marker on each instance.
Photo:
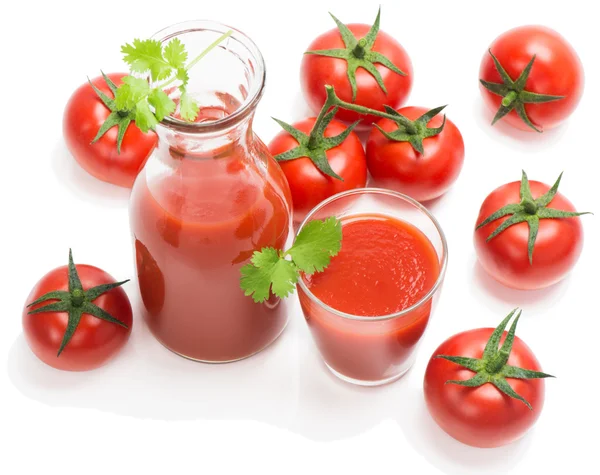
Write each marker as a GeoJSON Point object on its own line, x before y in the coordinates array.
{"type": "Point", "coordinates": [359, 54]}
{"type": "Point", "coordinates": [528, 210]}
{"type": "Point", "coordinates": [492, 367]}
{"type": "Point", "coordinates": [513, 93]}
{"type": "Point", "coordinates": [315, 145]}
{"type": "Point", "coordinates": [119, 118]}
{"type": "Point", "coordinates": [408, 130]}
{"type": "Point", "coordinates": [421, 131]}
{"type": "Point", "coordinates": [76, 301]}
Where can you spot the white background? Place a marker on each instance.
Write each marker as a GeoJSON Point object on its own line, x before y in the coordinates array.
{"type": "Point", "coordinates": [149, 411]}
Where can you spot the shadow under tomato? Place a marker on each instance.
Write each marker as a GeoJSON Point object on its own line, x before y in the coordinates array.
{"type": "Point", "coordinates": [517, 139]}
{"type": "Point", "coordinates": [286, 386]}
{"type": "Point", "coordinates": [147, 381]}
{"type": "Point", "coordinates": [444, 452]}
{"type": "Point", "coordinates": [507, 297]}
{"type": "Point", "coordinates": [84, 185]}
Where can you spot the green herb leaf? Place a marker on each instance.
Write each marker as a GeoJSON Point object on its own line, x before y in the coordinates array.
{"type": "Point", "coordinates": [163, 104]}
{"type": "Point", "coordinates": [175, 53]}
{"type": "Point", "coordinates": [144, 118]}
{"type": "Point", "coordinates": [270, 271]}
{"type": "Point", "coordinates": [147, 55]}
{"type": "Point", "coordinates": [131, 92]}
{"type": "Point", "coordinates": [316, 243]}
{"type": "Point", "coordinates": [188, 107]}
{"type": "Point", "coordinates": [132, 101]}
{"type": "Point", "coordinates": [183, 76]}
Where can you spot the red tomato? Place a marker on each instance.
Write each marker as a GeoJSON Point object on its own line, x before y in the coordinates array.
{"type": "Point", "coordinates": [319, 71]}
{"type": "Point", "coordinates": [84, 115]}
{"type": "Point", "coordinates": [309, 186]}
{"type": "Point", "coordinates": [95, 341]}
{"type": "Point", "coordinates": [556, 71]}
{"type": "Point", "coordinates": [398, 166]}
{"type": "Point", "coordinates": [505, 257]}
{"type": "Point", "coordinates": [481, 416]}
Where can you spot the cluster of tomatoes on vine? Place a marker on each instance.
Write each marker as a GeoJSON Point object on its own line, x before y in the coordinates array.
{"type": "Point", "coordinates": [356, 74]}
{"type": "Point", "coordinates": [527, 236]}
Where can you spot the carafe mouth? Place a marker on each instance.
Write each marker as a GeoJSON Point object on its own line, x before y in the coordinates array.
{"type": "Point", "coordinates": [233, 73]}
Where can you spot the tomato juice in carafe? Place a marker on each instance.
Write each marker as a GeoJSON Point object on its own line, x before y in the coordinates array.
{"type": "Point", "coordinates": [208, 197]}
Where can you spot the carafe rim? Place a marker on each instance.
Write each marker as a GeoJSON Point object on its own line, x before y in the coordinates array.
{"type": "Point", "coordinates": [255, 92]}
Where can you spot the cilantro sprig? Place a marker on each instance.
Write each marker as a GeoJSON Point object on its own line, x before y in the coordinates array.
{"type": "Point", "coordinates": [144, 101]}
{"type": "Point", "coordinates": [270, 270]}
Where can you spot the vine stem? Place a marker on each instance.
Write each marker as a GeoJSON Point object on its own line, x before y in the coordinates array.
{"type": "Point", "coordinates": [334, 101]}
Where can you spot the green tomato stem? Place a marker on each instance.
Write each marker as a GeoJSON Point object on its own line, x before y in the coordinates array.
{"type": "Point", "coordinates": [529, 206]}
{"type": "Point", "coordinates": [509, 98]}
{"type": "Point", "coordinates": [77, 297]}
{"type": "Point", "coordinates": [497, 363]}
{"type": "Point", "coordinates": [314, 139]}
{"type": "Point", "coordinates": [334, 100]}
{"type": "Point", "coordinates": [359, 50]}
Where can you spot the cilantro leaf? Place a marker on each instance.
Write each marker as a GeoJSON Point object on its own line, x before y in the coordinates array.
{"type": "Point", "coordinates": [144, 118]}
{"type": "Point", "coordinates": [183, 75]}
{"type": "Point", "coordinates": [163, 104]}
{"type": "Point", "coordinates": [147, 55]}
{"type": "Point", "coordinates": [175, 53]}
{"type": "Point", "coordinates": [316, 244]}
{"type": "Point", "coordinates": [146, 101]}
{"type": "Point", "coordinates": [188, 107]}
{"type": "Point", "coordinates": [132, 91]}
{"type": "Point", "coordinates": [284, 278]}
{"type": "Point", "coordinates": [270, 271]}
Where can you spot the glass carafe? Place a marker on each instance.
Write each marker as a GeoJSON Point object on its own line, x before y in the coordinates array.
{"type": "Point", "coordinates": [208, 197]}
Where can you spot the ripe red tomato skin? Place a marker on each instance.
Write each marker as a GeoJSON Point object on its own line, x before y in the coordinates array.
{"type": "Point", "coordinates": [308, 185]}
{"type": "Point", "coordinates": [557, 71]}
{"type": "Point", "coordinates": [95, 341]}
{"type": "Point", "coordinates": [318, 71]}
{"type": "Point", "coordinates": [396, 165]}
{"type": "Point", "coordinates": [558, 245]}
{"type": "Point", "coordinates": [483, 416]}
{"type": "Point", "coordinates": [84, 115]}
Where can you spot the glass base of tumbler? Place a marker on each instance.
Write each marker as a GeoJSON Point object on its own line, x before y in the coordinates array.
{"type": "Point", "coordinates": [370, 383]}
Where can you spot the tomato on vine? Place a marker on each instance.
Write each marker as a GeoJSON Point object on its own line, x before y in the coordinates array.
{"type": "Point", "coordinates": [528, 236]}
{"type": "Point", "coordinates": [320, 157]}
{"type": "Point", "coordinates": [485, 387]}
{"type": "Point", "coordinates": [422, 161]}
{"type": "Point", "coordinates": [420, 156]}
{"type": "Point", "coordinates": [532, 78]}
{"type": "Point", "coordinates": [366, 66]}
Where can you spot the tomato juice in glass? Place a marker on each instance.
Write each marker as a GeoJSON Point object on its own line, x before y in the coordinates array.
{"type": "Point", "coordinates": [369, 309]}
{"type": "Point", "coordinates": [208, 197]}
